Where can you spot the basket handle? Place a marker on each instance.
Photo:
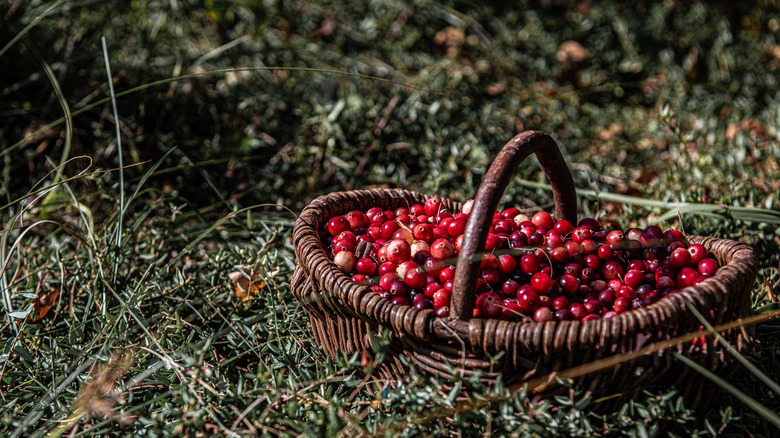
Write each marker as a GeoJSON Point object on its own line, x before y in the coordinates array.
{"type": "Point", "coordinates": [486, 201]}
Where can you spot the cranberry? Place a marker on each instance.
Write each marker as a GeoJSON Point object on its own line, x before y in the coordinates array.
{"type": "Point", "coordinates": [442, 249]}
{"type": "Point", "coordinates": [529, 264]}
{"type": "Point", "coordinates": [559, 255]}
{"type": "Point", "coordinates": [634, 233]}
{"type": "Point", "coordinates": [503, 226]}
{"type": "Point", "coordinates": [607, 297]}
{"type": "Point", "coordinates": [707, 267]}
{"type": "Point", "coordinates": [433, 206]}
{"type": "Point", "coordinates": [447, 274]}
{"type": "Point", "coordinates": [560, 302]}
{"type": "Point", "coordinates": [634, 278]}
{"type": "Point", "coordinates": [492, 242]}
{"type": "Point", "coordinates": [543, 314]}
{"type": "Point", "coordinates": [415, 278]}
{"type": "Point", "coordinates": [589, 246]}
{"type": "Point", "coordinates": [338, 224]}
{"type": "Point", "coordinates": [594, 307]}
{"type": "Point", "coordinates": [489, 305]}
{"type": "Point", "coordinates": [510, 287]}
{"type": "Point", "coordinates": [443, 312]}
{"type": "Point", "coordinates": [589, 223]}
{"type": "Point", "coordinates": [423, 232]}
{"type": "Point", "coordinates": [491, 276]}
{"type": "Point", "coordinates": [528, 300]}
{"type": "Point", "coordinates": [510, 213]}
{"type": "Point", "coordinates": [580, 234]}
{"type": "Point", "coordinates": [562, 227]}
{"type": "Point", "coordinates": [698, 253]}
{"type": "Point", "coordinates": [569, 284]}
{"type": "Point", "coordinates": [360, 279]}
{"type": "Point", "coordinates": [345, 260]}
{"type": "Point", "coordinates": [543, 219]}
{"type": "Point", "coordinates": [606, 252]}
{"type": "Point", "coordinates": [441, 298]}
{"type": "Point", "coordinates": [456, 227]}
{"type": "Point", "coordinates": [398, 288]}
{"type": "Point", "coordinates": [542, 283]}
{"type": "Point", "coordinates": [365, 266]}
{"type": "Point", "coordinates": [562, 315]}
{"type": "Point", "coordinates": [423, 304]}
{"type": "Point", "coordinates": [511, 311]}
{"type": "Point", "coordinates": [680, 258]}
{"type": "Point", "coordinates": [578, 311]}
{"type": "Point", "coordinates": [672, 235]}
{"type": "Point", "coordinates": [431, 287]}
{"type": "Point", "coordinates": [506, 264]}
{"type": "Point", "coordinates": [612, 269]}
{"type": "Point", "coordinates": [616, 239]}
{"type": "Point", "coordinates": [686, 276]}
{"type": "Point", "coordinates": [400, 300]}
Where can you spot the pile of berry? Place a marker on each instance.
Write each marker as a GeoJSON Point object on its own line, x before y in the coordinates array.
{"type": "Point", "coordinates": [533, 267]}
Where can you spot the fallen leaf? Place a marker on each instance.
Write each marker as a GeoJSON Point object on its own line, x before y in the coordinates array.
{"type": "Point", "coordinates": [247, 284]}
{"type": "Point", "coordinates": [43, 304]}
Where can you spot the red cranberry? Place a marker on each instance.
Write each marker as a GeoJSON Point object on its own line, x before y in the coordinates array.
{"type": "Point", "coordinates": [606, 252]}
{"type": "Point", "coordinates": [529, 264]}
{"type": "Point", "coordinates": [562, 227]}
{"type": "Point", "coordinates": [672, 235]}
{"type": "Point", "coordinates": [594, 307]}
{"type": "Point", "coordinates": [415, 278]}
{"type": "Point", "coordinates": [423, 304]}
{"type": "Point", "coordinates": [441, 298]}
{"type": "Point", "coordinates": [489, 305]}
{"type": "Point", "coordinates": [423, 232]}
{"type": "Point", "coordinates": [634, 233]}
{"type": "Point", "coordinates": [569, 284]}
{"type": "Point", "coordinates": [443, 312]}
{"type": "Point", "coordinates": [543, 314]}
{"type": "Point", "coordinates": [680, 258]}
{"type": "Point", "coordinates": [589, 223]}
{"type": "Point", "coordinates": [398, 288]}
{"type": "Point", "coordinates": [433, 206]}
{"type": "Point", "coordinates": [543, 219]}
{"type": "Point", "coordinates": [562, 315]}
{"type": "Point", "coordinates": [560, 302]}
{"type": "Point", "coordinates": [442, 249]}
{"type": "Point", "coordinates": [578, 311]}
{"type": "Point", "coordinates": [686, 276]}
{"type": "Point", "coordinates": [580, 234]}
{"type": "Point", "coordinates": [616, 239]}
{"type": "Point", "coordinates": [542, 283]}
{"type": "Point", "coordinates": [400, 300]}
{"type": "Point", "coordinates": [698, 253]}
{"type": "Point", "coordinates": [612, 269]}
{"type": "Point", "coordinates": [365, 266]}
{"type": "Point", "coordinates": [528, 300]}
{"type": "Point", "coordinates": [707, 267]}
{"type": "Point", "coordinates": [559, 255]}
{"type": "Point", "coordinates": [511, 311]}
{"type": "Point", "coordinates": [634, 278]}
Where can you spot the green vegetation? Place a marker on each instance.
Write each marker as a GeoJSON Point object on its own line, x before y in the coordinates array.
{"type": "Point", "coordinates": [233, 115]}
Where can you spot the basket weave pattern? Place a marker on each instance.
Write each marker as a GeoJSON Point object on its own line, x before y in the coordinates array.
{"type": "Point", "coordinates": [343, 313]}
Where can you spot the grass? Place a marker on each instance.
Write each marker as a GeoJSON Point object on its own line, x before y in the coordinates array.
{"type": "Point", "coordinates": [140, 201]}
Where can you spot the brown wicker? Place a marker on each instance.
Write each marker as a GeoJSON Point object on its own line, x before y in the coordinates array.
{"type": "Point", "coordinates": [343, 313]}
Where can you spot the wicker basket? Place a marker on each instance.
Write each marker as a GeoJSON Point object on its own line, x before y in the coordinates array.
{"type": "Point", "coordinates": [343, 313]}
